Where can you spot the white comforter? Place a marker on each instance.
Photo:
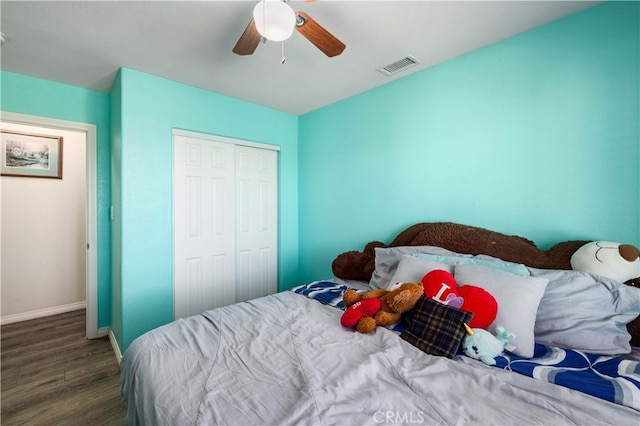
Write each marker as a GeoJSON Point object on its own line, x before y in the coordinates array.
{"type": "Point", "coordinates": [285, 359]}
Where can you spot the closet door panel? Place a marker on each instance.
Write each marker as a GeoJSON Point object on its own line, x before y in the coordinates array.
{"type": "Point", "coordinates": [204, 225]}
{"type": "Point", "coordinates": [257, 233]}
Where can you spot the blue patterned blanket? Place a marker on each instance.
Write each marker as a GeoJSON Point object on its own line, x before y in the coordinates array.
{"type": "Point", "coordinates": [610, 378]}
{"type": "Point", "coordinates": [326, 292]}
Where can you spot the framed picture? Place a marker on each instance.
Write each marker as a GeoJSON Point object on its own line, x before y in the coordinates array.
{"type": "Point", "coordinates": [30, 155]}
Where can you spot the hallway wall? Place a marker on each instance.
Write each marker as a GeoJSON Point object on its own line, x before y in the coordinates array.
{"type": "Point", "coordinates": [43, 234]}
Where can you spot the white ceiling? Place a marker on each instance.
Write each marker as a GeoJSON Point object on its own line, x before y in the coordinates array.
{"type": "Point", "coordinates": [83, 43]}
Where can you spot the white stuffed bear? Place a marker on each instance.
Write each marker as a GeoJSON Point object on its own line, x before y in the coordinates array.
{"type": "Point", "coordinates": [620, 262]}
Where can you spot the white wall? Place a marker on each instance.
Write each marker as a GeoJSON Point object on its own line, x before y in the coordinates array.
{"type": "Point", "coordinates": [43, 233]}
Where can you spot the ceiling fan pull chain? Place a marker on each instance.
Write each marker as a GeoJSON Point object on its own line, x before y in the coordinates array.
{"type": "Point", "coordinates": [283, 58]}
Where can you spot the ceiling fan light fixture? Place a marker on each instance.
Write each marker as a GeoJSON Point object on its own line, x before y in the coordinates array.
{"type": "Point", "coordinates": [274, 19]}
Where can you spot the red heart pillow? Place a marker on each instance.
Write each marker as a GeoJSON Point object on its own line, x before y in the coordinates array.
{"type": "Point", "coordinates": [440, 285]}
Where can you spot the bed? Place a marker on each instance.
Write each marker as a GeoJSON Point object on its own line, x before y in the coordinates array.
{"type": "Point", "coordinates": [285, 359]}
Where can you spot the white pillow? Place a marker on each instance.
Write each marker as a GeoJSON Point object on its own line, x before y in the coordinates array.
{"type": "Point", "coordinates": [412, 269]}
{"type": "Point", "coordinates": [586, 312]}
{"type": "Point", "coordinates": [518, 298]}
{"type": "Point", "coordinates": [387, 260]}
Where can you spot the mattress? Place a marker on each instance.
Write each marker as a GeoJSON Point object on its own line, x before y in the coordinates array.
{"type": "Point", "coordinates": [285, 359]}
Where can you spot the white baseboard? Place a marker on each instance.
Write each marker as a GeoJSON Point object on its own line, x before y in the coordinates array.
{"type": "Point", "coordinates": [39, 313]}
{"type": "Point", "coordinates": [115, 346]}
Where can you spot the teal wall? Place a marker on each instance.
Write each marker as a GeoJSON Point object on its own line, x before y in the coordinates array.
{"type": "Point", "coordinates": [142, 186]}
{"type": "Point", "coordinates": [32, 96]}
{"type": "Point", "coordinates": [536, 135]}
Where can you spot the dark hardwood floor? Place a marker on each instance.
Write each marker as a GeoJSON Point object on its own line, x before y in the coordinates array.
{"type": "Point", "coordinates": [53, 375]}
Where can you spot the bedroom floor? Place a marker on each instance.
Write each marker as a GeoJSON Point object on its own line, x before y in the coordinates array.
{"type": "Point", "coordinates": [52, 374]}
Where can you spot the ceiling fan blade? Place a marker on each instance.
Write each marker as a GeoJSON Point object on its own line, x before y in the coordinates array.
{"type": "Point", "coordinates": [316, 34]}
{"type": "Point", "coordinates": [248, 41]}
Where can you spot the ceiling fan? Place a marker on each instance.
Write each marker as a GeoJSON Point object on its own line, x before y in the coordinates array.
{"type": "Point", "coordinates": [275, 20]}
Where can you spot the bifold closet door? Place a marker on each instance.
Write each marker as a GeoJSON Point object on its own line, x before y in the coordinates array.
{"type": "Point", "coordinates": [256, 222]}
{"type": "Point", "coordinates": [225, 224]}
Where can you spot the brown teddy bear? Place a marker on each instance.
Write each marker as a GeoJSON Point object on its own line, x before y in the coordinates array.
{"type": "Point", "coordinates": [355, 265]}
{"type": "Point", "coordinates": [393, 304]}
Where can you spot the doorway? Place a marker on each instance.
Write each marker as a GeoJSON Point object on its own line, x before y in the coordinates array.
{"type": "Point", "coordinates": [89, 131]}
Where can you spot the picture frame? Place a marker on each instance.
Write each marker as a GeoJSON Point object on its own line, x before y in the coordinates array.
{"type": "Point", "coordinates": [30, 155]}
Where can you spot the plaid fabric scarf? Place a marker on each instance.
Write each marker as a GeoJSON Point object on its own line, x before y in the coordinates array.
{"type": "Point", "coordinates": [435, 328]}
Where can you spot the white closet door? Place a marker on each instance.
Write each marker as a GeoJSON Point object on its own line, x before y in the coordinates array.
{"type": "Point", "coordinates": [204, 225]}
{"type": "Point", "coordinates": [257, 222]}
{"type": "Point", "coordinates": [225, 223]}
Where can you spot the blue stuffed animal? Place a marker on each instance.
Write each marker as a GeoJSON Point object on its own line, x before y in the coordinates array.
{"type": "Point", "coordinates": [482, 345]}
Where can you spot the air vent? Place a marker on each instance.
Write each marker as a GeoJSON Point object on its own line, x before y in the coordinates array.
{"type": "Point", "coordinates": [399, 65]}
